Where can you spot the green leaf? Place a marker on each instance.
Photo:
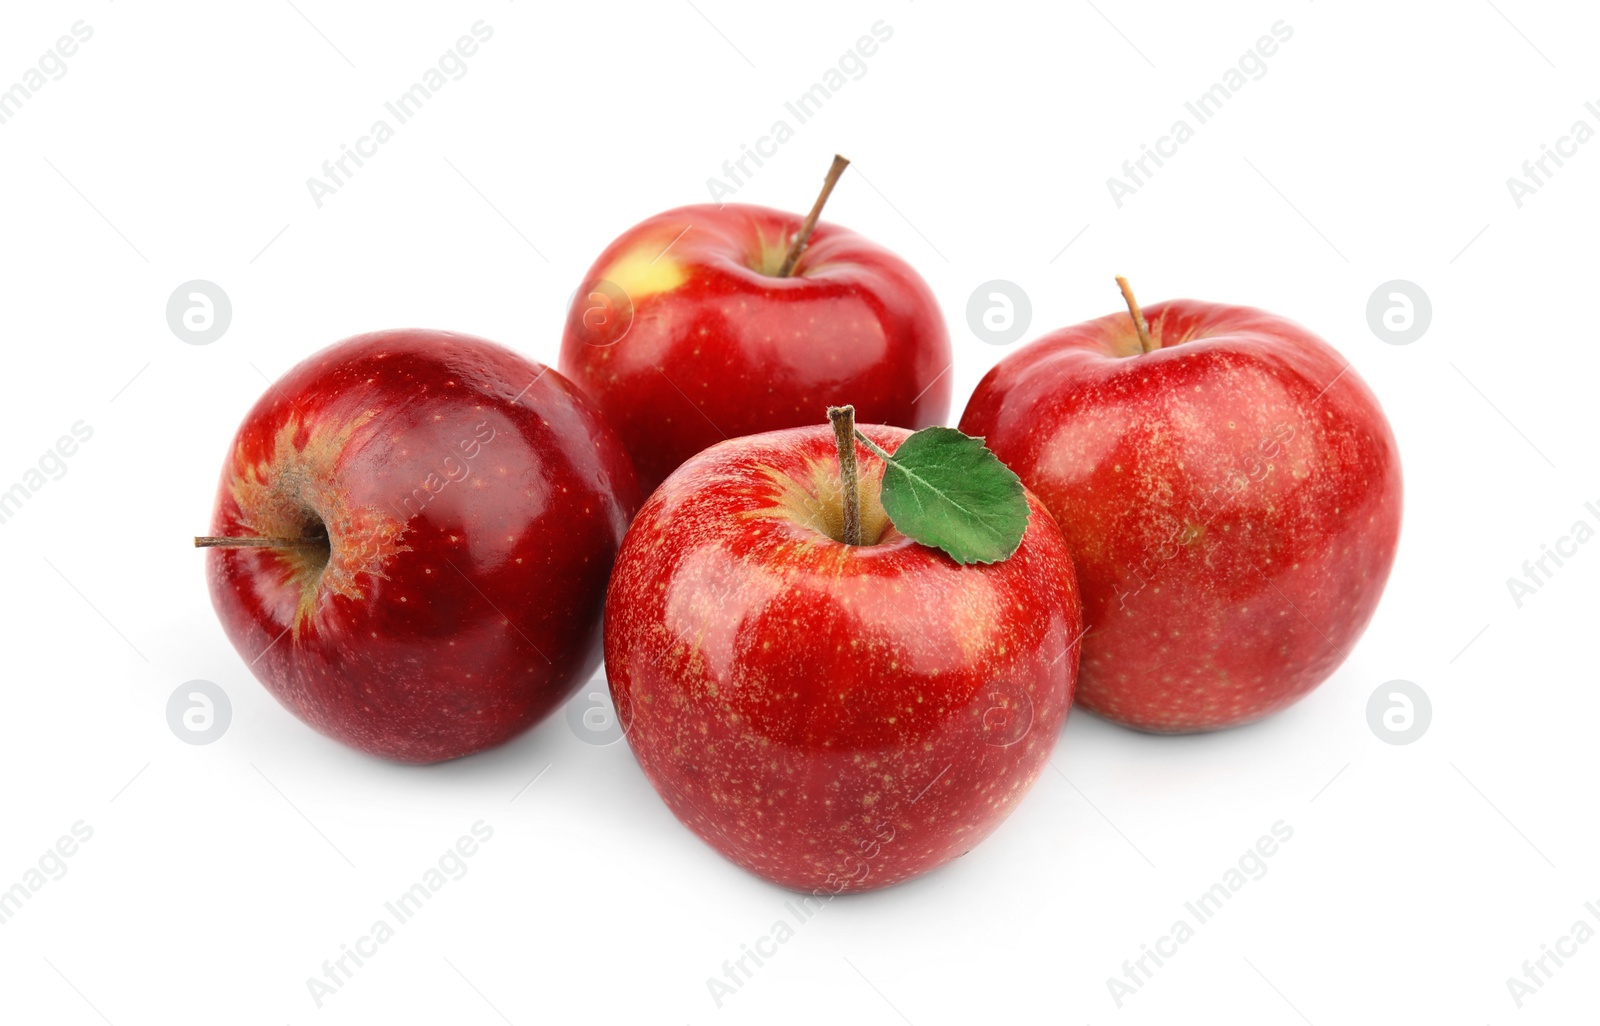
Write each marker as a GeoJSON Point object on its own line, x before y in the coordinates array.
{"type": "Point", "coordinates": [946, 489]}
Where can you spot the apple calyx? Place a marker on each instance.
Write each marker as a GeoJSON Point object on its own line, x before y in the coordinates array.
{"type": "Point", "coordinates": [810, 223]}
{"type": "Point", "coordinates": [1146, 343]}
{"type": "Point", "coordinates": [940, 488]}
{"type": "Point", "coordinates": [322, 542]}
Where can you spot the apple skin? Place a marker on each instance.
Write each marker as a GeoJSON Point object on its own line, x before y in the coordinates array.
{"type": "Point", "coordinates": [832, 718]}
{"type": "Point", "coordinates": [1232, 502]}
{"type": "Point", "coordinates": [473, 503]}
{"type": "Point", "coordinates": [696, 340]}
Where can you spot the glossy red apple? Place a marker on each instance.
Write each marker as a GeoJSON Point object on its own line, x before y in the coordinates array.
{"type": "Point", "coordinates": [415, 534]}
{"type": "Point", "coordinates": [831, 717]}
{"type": "Point", "coordinates": [684, 333]}
{"type": "Point", "coordinates": [1231, 499]}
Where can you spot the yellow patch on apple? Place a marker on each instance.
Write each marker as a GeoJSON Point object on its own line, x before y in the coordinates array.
{"type": "Point", "coordinates": [645, 270]}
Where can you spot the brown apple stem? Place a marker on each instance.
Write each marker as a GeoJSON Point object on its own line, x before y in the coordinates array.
{"type": "Point", "coordinates": [207, 542]}
{"type": "Point", "coordinates": [810, 223]}
{"type": "Point", "coordinates": [1146, 343]}
{"type": "Point", "coordinates": [843, 419]}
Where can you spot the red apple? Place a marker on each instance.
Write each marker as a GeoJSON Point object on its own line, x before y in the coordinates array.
{"type": "Point", "coordinates": [685, 334]}
{"type": "Point", "coordinates": [1231, 498]}
{"type": "Point", "coordinates": [416, 529]}
{"type": "Point", "coordinates": [831, 717]}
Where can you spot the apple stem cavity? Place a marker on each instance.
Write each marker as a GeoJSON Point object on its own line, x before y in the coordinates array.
{"type": "Point", "coordinates": [810, 223]}
{"type": "Point", "coordinates": [209, 542]}
{"type": "Point", "coordinates": [843, 419]}
{"type": "Point", "coordinates": [1146, 343]}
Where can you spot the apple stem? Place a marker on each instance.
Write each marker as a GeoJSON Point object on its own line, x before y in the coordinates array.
{"type": "Point", "coordinates": [1146, 343]}
{"type": "Point", "coordinates": [843, 419]}
{"type": "Point", "coordinates": [810, 223]}
{"type": "Point", "coordinates": [207, 542]}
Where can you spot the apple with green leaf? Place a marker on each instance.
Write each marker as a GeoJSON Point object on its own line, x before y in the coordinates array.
{"type": "Point", "coordinates": [842, 657]}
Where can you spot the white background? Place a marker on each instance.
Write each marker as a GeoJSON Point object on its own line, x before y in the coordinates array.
{"type": "Point", "coordinates": [1377, 146]}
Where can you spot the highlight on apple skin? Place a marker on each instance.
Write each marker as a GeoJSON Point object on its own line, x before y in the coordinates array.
{"type": "Point", "coordinates": [412, 539]}
{"type": "Point", "coordinates": [684, 333]}
{"type": "Point", "coordinates": [1231, 494]}
{"type": "Point", "coordinates": [832, 717]}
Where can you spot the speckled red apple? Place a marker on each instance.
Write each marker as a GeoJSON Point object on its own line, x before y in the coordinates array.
{"type": "Point", "coordinates": [832, 717]}
{"type": "Point", "coordinates": [412, 540]}
{"type": "Point", "coordinates": [1231, 497]}
{"type": "Point", "coordinates": [689, 331]}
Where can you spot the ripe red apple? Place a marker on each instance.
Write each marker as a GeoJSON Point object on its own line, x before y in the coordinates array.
{"type": "Point", "coordinates": [686, 333]}
{"type": "Point", "coordinates": [832, 717]}
{"type": "Point", "coordinates": [1230, 494]}
{"type": "Point", "coordinates": [415, 532]}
